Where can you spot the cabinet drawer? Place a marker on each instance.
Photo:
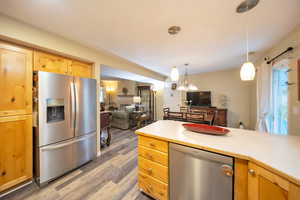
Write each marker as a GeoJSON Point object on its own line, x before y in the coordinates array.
{"type": "Point", "coordinates": [153, 169]}
{"type": "Point", "coordinates": [152, 187]}
{"type": "Point", "coordinates": [152, 143]}
{"type": "Point", "coordinates": [153, 155]}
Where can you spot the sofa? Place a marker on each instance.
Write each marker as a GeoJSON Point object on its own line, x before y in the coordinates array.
{"type": "Point", "coordinates": [123, 119]}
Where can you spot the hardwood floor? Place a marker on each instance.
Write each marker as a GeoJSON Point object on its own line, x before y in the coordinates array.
{"type": "Point", "coordinates": [112, 176]}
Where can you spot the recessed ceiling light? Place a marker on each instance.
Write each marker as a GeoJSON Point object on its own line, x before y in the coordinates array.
{"type": "Point", "coordinates": [246, 6]}
{"type": "Point", "coordinates": [173, 30]}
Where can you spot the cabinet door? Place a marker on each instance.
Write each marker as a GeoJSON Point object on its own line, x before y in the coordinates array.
{"type": "Point", "coordinates": [81, 69]}
{"type": "Point", "coordinates": [50, 63]}
{"type": "Point", "coordinates": [264, 185]}
{"type": "Point", "coordinates": [15, 80]}
{"type": "Point", "coordinates": [15, 150]}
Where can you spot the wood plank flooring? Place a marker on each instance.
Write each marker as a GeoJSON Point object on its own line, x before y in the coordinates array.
{"type": "Point", "coordinates": [112, 176]}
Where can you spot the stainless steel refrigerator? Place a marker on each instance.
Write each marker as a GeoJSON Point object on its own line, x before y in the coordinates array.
{"type": "Point", "coordinates": [65, 124]}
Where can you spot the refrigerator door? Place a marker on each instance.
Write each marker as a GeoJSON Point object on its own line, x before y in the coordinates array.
{"type": "Point", "coordinates": [56, 109]}
{"type": "Point", "coordinates": [55, 160]}
{"type": "Point", "coordinates": [85, 93]}
{"type": "Point", "coordinates": [85, 149]}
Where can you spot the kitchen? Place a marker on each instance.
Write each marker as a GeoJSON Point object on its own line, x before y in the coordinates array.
{"type": "Point", "coordinates": [50, 111]}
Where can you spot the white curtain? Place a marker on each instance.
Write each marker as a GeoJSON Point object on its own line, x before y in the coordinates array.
{"type": "Point", "coordinates": [264, 97]}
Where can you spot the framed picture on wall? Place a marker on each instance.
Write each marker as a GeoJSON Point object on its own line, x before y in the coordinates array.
{"type": "Point", "coordinates": [298, 80]}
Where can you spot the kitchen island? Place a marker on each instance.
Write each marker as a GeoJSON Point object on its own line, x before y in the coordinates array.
{"type": "Point", "coordinates": [265, 166]}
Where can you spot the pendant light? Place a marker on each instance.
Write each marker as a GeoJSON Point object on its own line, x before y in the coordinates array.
{"type": "Point", "coordinates": [174, 30]}
{"type": "Point", "coordinates": [247, 72]}
{"type": "Point", "coordinates": [174, 74]}
{"type": "Point", "coordinates": [185, 85]}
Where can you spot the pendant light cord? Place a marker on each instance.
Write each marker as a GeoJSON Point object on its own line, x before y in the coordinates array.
{"type": "Point", "coordinates": [247, 34]}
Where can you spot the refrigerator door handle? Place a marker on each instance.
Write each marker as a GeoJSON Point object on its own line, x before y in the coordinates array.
{"type": "Point", "coordinates": [52, 147]}
{"type": "Point", "coordinates": [72, 105]}
{"type": "Point", "coordinates": [75, 104]}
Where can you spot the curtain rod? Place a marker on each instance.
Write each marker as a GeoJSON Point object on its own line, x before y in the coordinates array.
{"type": "Point", "coordinates": [287, 50]}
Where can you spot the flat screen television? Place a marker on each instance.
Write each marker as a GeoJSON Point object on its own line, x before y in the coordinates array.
{"type": "Point", "coordinates": [202, 98]}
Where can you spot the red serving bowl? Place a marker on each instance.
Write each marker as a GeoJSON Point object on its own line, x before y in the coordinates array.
{"type": "Point", "coordinates": [203, 128]}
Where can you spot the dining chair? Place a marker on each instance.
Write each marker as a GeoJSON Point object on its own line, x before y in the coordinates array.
{"type": "Point", "coordinates": [196, 118]}
{"type": "Point", "coordinates": [166, 113]}
{"type": "Point", "coordinates": [184, 109]}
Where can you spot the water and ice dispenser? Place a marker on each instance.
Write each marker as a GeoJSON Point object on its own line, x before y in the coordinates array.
{"type": "Point", "coordinates": [55, 110]}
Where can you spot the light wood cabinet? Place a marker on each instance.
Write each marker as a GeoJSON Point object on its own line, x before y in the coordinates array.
{"type": "Point", "coordinates": [57, 64]}
{"type": "Point", "coordinates": [265, 185]}
{"type": "Point", "coordinates": [240, 179]}
{"type": "Point", "coordinates": [50, 63]}
{"type": "Point", "coordinates": [153, 155]}
{"type": "Point", "coordinates": [154, 144]}
{"type": "Point", "coordinates": [153, 167]}
{"type": "Point", "coordinates": [153, 187]}
{"type": "Point", "coordinates": [80, 69]}
{"type": "Point", "coordinates": [15, 80]}
{"type": "Point", "coordinates": [15, 150]}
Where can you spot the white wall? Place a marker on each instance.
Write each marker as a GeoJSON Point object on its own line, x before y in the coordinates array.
{"type": "Point", "coordinates": [172, 99]}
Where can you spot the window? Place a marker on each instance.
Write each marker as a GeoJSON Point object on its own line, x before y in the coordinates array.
{"type": "Point", "coordinates": [279, 100]}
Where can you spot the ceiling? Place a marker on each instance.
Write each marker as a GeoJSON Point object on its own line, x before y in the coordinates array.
{"type": "Point", "coordinates": [212, 36]}
{"type": "Point", "coordinates": [109, 73]}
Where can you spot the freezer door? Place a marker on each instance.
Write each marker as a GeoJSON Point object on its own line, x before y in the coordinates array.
{"type": "Point", "coordinates": [56, 110]}
{"type": "Point", "coordinates": [55, 160]}
{"type": "Point", "coordinates": [60, 158]}
{"type": "Point", "coordinates": [85, 149]}
{"type": "Point", "coordinates": [85, 106]}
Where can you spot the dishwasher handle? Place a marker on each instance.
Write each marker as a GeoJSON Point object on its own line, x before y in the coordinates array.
{"type": "Point", "coordinates": [227, 170]}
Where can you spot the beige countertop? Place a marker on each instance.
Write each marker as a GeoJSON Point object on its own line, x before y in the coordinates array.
{"type": "Point", "coordinates": [281, 154]}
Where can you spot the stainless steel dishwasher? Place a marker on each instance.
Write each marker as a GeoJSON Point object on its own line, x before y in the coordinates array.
{"type": "Point", "coordinates": [199, 175]}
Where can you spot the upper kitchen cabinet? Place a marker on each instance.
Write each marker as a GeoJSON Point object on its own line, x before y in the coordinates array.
{"type": "Point", "coordinates": [81, 69]}
{"type": "Point", "coordinates": [15, 80]}
{"type": "Point", "coordinates": [57, 64]}
{"type": "Point", "coordinates": [15, 150]}
{"type": "Point", "coordinates": [50, 63]}
{"type": "Point", "coordinates": [265, 185]}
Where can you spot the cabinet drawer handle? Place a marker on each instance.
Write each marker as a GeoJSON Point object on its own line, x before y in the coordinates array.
{"type": "Point", "coordinates": [150, 188]}
{"type": "Point", "coordinates": [251, 172]}
{"type": "Point", "coordinates": [43, 66]}
{"type": "Point", "coordinates": [3, 173]}
{"type": "Point", "coordinates": [150, 157]}
{"type": "Point", "coordinates": [152, 145]}
{"type": "Point", "coordinates": [150, 171]}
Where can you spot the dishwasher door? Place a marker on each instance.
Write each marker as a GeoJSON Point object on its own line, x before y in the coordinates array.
{"type": "Point", "coordinates": [199, 175]}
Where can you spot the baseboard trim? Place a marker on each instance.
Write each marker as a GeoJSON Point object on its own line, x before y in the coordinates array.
{"type": "Point", "coordinates": [15, 188]}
